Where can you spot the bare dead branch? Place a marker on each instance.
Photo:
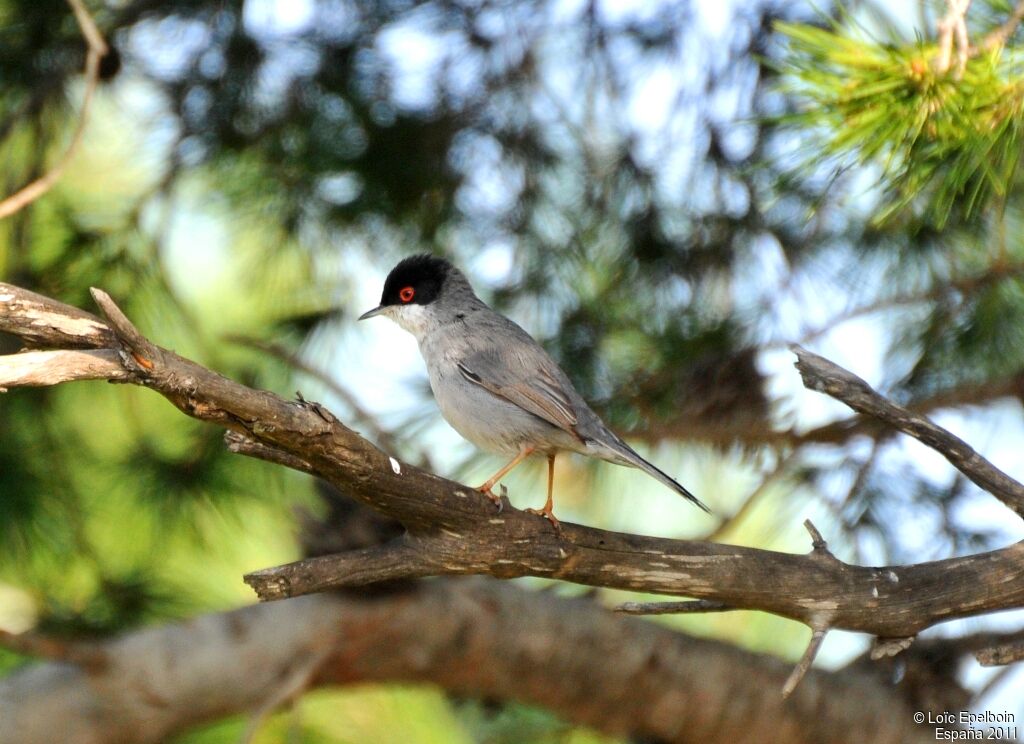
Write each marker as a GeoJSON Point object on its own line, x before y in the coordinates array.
{"type": "Point", "coordinates": [141, 349]}
{"type": "Point", "coordinates": [44, 323]}
{"type": "Point", "coordinates": [42, 368]}
{"type": "Point", "coordinates": [953, 27]}
{"type": "Point", "coordinates": [97, 49]}
{"type": "Point", "coordinates": [472, 638]}
{"type": "Point", "coordinates": [835, 433]}
{"type": "Point", "coordinates": [672, 608]}
{"type": "Point", "coordinates": [801, 669]}
{"type": "Point", "coordinates": [817, 541]}
{"type": "Point", "coordinates": [972, 642]}
{"type": "Point", "coordinates": [827, 377]}
{"type": "Point", "coordinates": [820, 624]}
{"type": "Point", "coordinates": [882, 648]}
{"type": "Point", "coordinates": [241, 444]}
{"type": "Point", "coordinates": [803, 588]}
{"type": "Point", "coordinates": [999, 655]}
{"type": "Point", "coordinates": [452, 529]}
{"type": "Point", "coordinates": [396, 560]}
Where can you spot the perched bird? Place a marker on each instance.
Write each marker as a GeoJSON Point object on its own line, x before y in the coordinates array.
{"type": "Point", "coordinates": [494, 384]}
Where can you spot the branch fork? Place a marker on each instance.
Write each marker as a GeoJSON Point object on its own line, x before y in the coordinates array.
{"type": "Point", "coordinates": [451, 530]}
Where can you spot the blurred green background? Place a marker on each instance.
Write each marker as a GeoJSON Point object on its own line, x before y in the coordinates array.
{"type": "Point", "coordinates": [663, 193]}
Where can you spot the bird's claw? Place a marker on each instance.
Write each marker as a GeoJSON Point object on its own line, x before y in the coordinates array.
{"type": "Point", "coordinates": [548, 515]}
{"type": "Point", "coordinates": [498, 501]}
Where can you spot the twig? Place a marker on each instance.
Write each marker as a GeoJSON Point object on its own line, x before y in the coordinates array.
{"type": "Point", "coordinates": [672, 608]}
{"type": "Point", "coordinates": [1007, 653]}
{"type": "Point", "coordinates": [43, 368]}
{"type": "Point", "coordinates": [882, 648]}
{"type": "Point", "coordinates": [827, 377]}
{"type": "Point", "coordinates": [1002, 34]}
{"type": "Point", "coordinates": [241, 444]}
{"type": "Point", "coordinates": [140, 348]}
{"type": "Point", "coordinates": [952, 26]}
{"type": "Point", "coordinates": [97, 49]}
{"type": "Point", "coordinates": [818, 543]}
{"type": "Point", "coordinates": [42, 322]}
{"type": "Point", "coordinates": [801, 669]}
{"type": "Point", "coordinates": [398, 559]}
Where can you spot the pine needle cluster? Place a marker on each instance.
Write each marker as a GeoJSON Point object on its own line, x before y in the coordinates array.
{"type": "Point", "coordinates": [946, 142]}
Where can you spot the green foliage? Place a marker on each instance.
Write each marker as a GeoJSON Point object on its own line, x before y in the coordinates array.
{"type": "Point", "coordinates": [945, 144]}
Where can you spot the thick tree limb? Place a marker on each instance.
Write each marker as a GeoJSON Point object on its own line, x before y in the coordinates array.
{"type": "Point", "coordinates": [471, 638]}
{"type": "Point", "coordinates": [454, 530]}
{"type": "Point", "coordinates": [827, 377]}
{"type": "Point", "coordinates": [896, 601]}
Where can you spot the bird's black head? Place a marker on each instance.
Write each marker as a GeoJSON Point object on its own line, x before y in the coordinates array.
{"type": "Point", "coordinates": [415, 280]}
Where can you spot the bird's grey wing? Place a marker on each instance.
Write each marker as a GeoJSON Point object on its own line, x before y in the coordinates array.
{"type": "Point", "coordinates": [531, 383]}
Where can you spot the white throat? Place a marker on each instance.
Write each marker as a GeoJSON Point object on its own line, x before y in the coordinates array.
{"type": "Point", "coordinates": [416, 319]}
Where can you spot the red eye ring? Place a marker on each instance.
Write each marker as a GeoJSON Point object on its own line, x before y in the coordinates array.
{"type": "Point", "coordinates": [406, 294]}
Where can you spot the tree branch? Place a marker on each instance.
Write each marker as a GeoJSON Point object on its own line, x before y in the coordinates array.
{"type": "Point", "coordinates": [42, 368]}
{"type": "Point", "coordinates": [44, 323]}
{"type": "Point", "coordinates": [1006, 653]}
{"type": "Point", "coordinates": [827, 377]}
{"type": "Point", "coordinates": [953, 26]}
{"type": "Point", "coordinates": [804, 665]}
{"type": "Point", "coordinates": [452, 529]}
{"type": "Point", "coordinates": [477, 638]}
{"type": "Point", "coordinates": [97, 49]}
{"type": "Point", "coordinates": [671, 608]}
{"type": "Point", "coordinates": [1002, 34]}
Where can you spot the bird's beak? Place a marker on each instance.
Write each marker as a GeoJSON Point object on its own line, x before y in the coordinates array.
{"type": "Point", "coordinates": [370, 313]}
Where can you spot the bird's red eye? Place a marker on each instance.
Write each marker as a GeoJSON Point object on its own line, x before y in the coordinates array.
{"type": "Point", "coordinates": [406, 294]}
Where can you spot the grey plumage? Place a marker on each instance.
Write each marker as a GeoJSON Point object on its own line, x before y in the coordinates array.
{"type": "Point", "coordinates": [494, 384]}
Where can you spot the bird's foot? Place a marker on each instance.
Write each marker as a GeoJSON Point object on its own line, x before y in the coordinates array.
{"type": "Point", "coordinates": [549, 515]}
{"type": "Point", "coordinates": [498, 501]}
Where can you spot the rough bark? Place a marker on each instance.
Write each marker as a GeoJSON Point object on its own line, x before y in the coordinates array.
{"type": "Point", "coordinates": [827, 377]}
{"type": "Point", "coordinates": [452, 529]}
{"type": "Point", "coordinates": [471, 637]}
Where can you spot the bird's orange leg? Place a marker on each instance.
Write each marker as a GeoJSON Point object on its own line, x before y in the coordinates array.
{"type": "Point", "coordinates": [485, 489]}
{"type": "Point", "coordinates": [547, 512]}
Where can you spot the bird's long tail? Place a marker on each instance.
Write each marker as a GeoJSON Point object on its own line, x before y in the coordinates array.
{"type": "Point", "coordinates": [617, 451]}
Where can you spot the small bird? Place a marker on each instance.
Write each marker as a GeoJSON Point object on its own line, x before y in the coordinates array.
{"type": "Point", "coordinates": [494, 384]}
